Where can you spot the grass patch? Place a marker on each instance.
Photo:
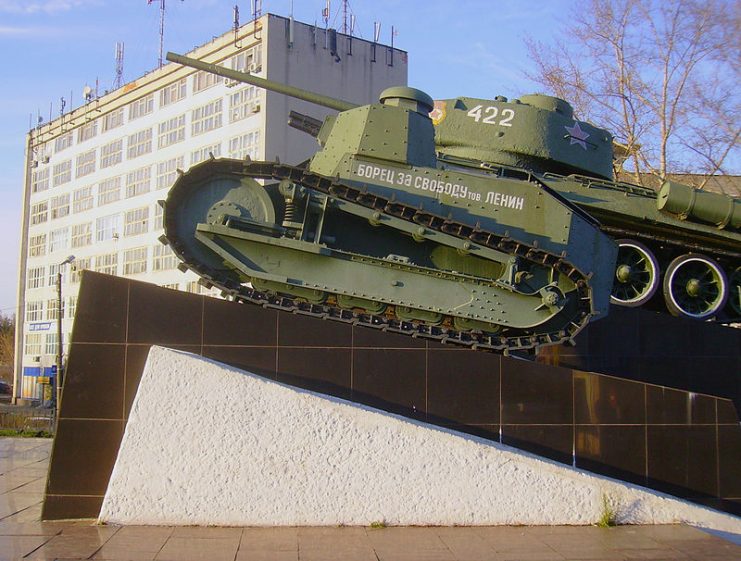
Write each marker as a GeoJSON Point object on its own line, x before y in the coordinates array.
{"type": "Point", "coordinates": [26, 433]}
{"type": "Point", "coordinates": [378, 524]}
{"type": "Point", "coordinates": [608, 517]}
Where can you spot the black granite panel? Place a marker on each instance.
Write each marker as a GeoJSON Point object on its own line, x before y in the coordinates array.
{"type": "Point", "coordinates": [535, 394]}
{"type": "Point", "coordinates": [658, 342]}
{"type": "Point", "coordinates": [552, 441]}
{"type": "Point", "coordinates": [97, 389]}
{"type": "Point", "coordinates": [164, 317]}
{"type": "Point", "coordinates": [727, 411]}
{"type": "Point", "coordinates": [607, 400]}
{"type": "Point", "coordinates": [83, 456]}
{"type": "Point", "coordinates": [617, 335]}
{"type": "Point", "coordinates": [669, 406]}
{"type": "Point", "coordinates": [729, 455]}
{"type": "Point", "coordinates": [614, 450]}
{"type": "Point", "coordinates": [66, 507]}
{"type": "Point", "coordinates": [296, 330]}
{"type": "Point", "coordinates": [227, 324]}
{"type": "Point", "coordinates": [463, 387]}
{"type": "Point", "coordinates": [711, 340]}
{"type": "Point", "coordinates": [487, 432]}
{"type": "Point", "coordinates": [683, 459]}
{"type": "Point", "coordinates": [318, 369]}
{"type": "Point", "coordinates": [258, 360]}
{"type": "Point", "coordinates": [376, 338]}
{"type": "Point", "coordinates": [102, 308]}
{"type": "Point", "coordinates": [391, 379]}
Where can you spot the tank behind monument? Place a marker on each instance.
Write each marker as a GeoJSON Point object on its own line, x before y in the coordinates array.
{"type": "Point", "coordinates": [685, 240]}
{"type": "Point", "coordinates": [376, 229]}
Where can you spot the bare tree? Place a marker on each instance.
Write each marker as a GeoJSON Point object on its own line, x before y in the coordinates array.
{"type": "Point", "coordinates": [7, 340]}
{"type": "Point", "coordinates": [661, 76]}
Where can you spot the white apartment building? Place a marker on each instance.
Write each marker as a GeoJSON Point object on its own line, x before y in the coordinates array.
{"type": "Point", "coordinates": [95, 174]}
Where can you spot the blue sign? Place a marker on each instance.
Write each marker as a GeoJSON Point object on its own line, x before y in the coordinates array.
{"type": "Point", "coordinates": [36, 371]}
{"type": "Point", "coordinates": [46, 326]}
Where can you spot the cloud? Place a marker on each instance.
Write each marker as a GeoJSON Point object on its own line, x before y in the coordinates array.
{"type": "Point", "coordinates": [42, 6]}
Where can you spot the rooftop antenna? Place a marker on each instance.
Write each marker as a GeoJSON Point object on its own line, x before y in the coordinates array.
{"type": "Point", "coordinates": [162, 29]}
{"type": "Point", "coordinates": [326, 13]}
{"type": "Point", "coordinates": [344, 17]}
{"type": "Point", "coordinates": [118, 82]}
{"type": "Point", "coordinates": [376, 31]}
{"type": "Point", "coordinates": [236, 26]}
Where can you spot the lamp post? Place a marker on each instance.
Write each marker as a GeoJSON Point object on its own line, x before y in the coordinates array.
{"type": "Point", "coordinates": [58, 379]}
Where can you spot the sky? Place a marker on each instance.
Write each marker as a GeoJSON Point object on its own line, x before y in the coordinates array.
{"type": "Point", "coordinates": [52, 49]}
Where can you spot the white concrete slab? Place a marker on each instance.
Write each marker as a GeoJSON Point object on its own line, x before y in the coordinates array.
{"type": "Point", "coordinates": [207, 444]}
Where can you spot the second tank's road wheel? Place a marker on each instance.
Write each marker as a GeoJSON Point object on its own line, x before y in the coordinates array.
{"type": "Point", "coordinates": [695, 287]}
{"type": "Point", "coordinates": [636, 275]}
{"type": "Point", "coordinates": [734, 293]}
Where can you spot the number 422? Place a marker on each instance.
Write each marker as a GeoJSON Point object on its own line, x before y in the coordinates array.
{"type": "Point", "coordinates": [490, 114]}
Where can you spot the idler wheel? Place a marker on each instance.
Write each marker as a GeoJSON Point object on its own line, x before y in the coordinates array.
{"type": "Point", "coordinates": [734, 297]}
{"type": "Point", "coordinates": [636, 275]}
{"type": "Point", "coordinates": [695, 287]}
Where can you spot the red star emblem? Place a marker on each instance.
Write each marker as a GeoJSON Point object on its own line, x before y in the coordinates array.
{"type": "Point", "coordinates": [577, 136]}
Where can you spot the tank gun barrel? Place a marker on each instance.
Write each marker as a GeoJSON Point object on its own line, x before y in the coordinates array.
{"type": "Point", "coordinates": [298, 93]}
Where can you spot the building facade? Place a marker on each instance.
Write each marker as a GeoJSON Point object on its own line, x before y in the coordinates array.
{"type": "Point", "coordinates": [95, 174]}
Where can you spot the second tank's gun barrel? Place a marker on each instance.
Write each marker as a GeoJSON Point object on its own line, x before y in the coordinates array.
{"type": "Point", "coordinates": [298, 93]}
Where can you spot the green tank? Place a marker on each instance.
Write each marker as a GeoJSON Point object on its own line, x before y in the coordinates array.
{"type": "Point", "coordinates": [444, 220]}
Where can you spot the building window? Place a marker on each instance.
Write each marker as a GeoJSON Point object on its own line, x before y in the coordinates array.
{"type": "Point", "coordinates": [82, 234]}
{"type": "Point", "coordinates": [136, 221]}
{"type": "Point", "coordinates": [107, 227]}
{"type": "Point", "coordinates": [111, 153]}
{"type": "Point", "coordinates": [244, 145]}
{"type": "Point", "coordinates": [204, 80]}
{"type": "Point", "coordinates": [243, 103]}
{"type": "Point", "coordinates": [107, 264]}
{"type": "Point", "coordinates": [87, 131]}
{"type": "Point", "coordinates": [109, 191]}
{"type": "Point", "coordinates": [163, 259]}
{"type": "Point", "coordinates": [85, 163]}
{"type": "Point", "coordinates": [113, 119]}
{"type": "Point", "coordinates": [167, 172]}
{"type": "Point", "coordinates": [78, 267]}
{"type": "Point", "coordinates": [206, 118]}
{"type": "Point", "coordinates": [171, 286]}
{"type": "Point", "coordinates": [135, 261]}
{"type": "Point", "coordinates": [53, 270]}
{"type": "Point", "coordinates": [159, 214]}
{"type": "Point", "coordinates": [62, 173]}
{"type": "Point", "coordinates": [63, 142]}
{"type": "Point", "coordinates": [82, 199]}
{"type": "Point", "coordinates": [249, 60]}
{"type": "Point", "coordinates": [171, 131]}
{"type": "Point", "coordinates": [141, 107]}
{"type": "Point", "coordinates": [51, 343]}
{"type": "Point", "coordinates": [36, 277]}
{"type": "Point", "coordinates": [52, 309]}
{"type": "Point", "coordinates": [40, 180]}
{"type": "Point", "coordinates": [206, 152]}
{"type": "Point", "coordinates": [193, 287]}
{"type": "Point", "coordinates": [58, 239]}
{"type": "Point", "coordinates": [140, 143]}
{"type": "Point", "coordinates": [39, 212]}
{"type": "Point", "coordinates": [59, 206]}
{"type": "Point", "coordinates": [72, 305]}
{"type": "Point", "coordinates": [138, 182]}
{"type": "Point", "coordinates": [37, 245]}
{"type": "Point", "coordinates": [33, 344]}
{"type": "Point", "coordinates": [34, 311]}
{"type": "Point", "coordinates": [173, 92]}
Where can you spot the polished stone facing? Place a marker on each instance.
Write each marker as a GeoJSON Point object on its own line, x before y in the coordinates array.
{"type": "Point", "coordinates": [23, 537]}
{"type": "Point", "coordinates": [667, 438]}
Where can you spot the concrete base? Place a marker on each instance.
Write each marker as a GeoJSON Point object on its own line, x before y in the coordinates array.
{"type": "Point", "coordinates": [207, 444]}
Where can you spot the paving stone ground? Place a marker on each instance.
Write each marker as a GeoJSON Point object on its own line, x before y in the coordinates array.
{"type": "Point", "coordinates": [23, 471]}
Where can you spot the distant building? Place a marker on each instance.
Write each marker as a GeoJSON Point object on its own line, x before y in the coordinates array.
{"type": "Point", "coordinates": [95, 174]}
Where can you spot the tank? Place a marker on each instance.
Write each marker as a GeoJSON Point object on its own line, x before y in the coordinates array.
{"type": "Point", "coordinates": [679, 239]}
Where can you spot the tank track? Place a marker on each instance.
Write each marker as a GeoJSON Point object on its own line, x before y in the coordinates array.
{"type": "Point", "coordinates": [336, 189]}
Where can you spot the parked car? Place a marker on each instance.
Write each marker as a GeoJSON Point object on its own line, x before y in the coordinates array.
{"type": "Point", "coordinates": [5, 388]}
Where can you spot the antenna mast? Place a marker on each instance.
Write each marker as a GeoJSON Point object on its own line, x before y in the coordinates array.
{"type": "Point", "coordinates": [162, 29]}
{"type": "Point", "coordinates": [118, 82]}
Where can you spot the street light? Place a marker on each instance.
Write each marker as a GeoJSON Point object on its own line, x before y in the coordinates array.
{"type": "Point", "coordinates": [58, 379]}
